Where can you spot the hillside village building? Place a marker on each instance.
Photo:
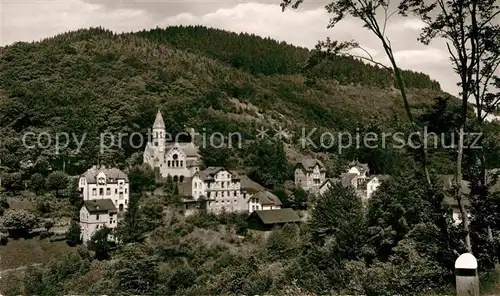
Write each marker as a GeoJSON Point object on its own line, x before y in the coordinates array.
{"type": "Point", "coordinates": [95, 215]}
{"type": "Point", "coordinates": [175, 159]}
{"type": "Point", "coordinates": [105, 183]}
{"type": "Point", "coordinates": [226, 191]}
{"type": "Point", "coordinates": [105, 193]}
{"type": "Point", "coordinates": [310, 174]}
{"type": "Point", "coordinates": [358, 178]}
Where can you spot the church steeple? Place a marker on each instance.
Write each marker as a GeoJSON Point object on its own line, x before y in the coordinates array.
{"type": "Point", "coordinates": [159, 123]}
{"type": "Point", "coordinates": [159, 132]}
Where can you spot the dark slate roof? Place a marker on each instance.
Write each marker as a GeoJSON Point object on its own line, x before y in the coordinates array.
{"type": "Point", "coordinates": [267, 198]}
{"type": "Point", "coordinates": [309, 163]}
{"type": "Point", "coordinates": [448, 181]}
{"type": "Point", "coordinates": [209, 173]}
{"type": "Point", "coordinates": [362, 167]}
{"type": "Point", "coordinates": [287, 215]}
{"type": "Point", "coordinates": [111, 173]}
{"type": "Point", "coordinates": [346, 178]}
{"type": "Point", "coordinates": [249, 185]}
{"type": "Point", "coordinates": [99, 206]}
{"type": "Point", "coordinates": [188, 148]}
{"type": "Point", "coordinates": [329, 180]}
{"type": "Point", "coordinates": [451, 201]}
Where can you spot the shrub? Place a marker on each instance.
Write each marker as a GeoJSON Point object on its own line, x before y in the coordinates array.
{"type": "Point", "coordinates": [19, 222]}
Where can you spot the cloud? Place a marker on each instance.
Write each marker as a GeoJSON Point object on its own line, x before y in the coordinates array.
{"type": "Point", "coordinates": [34, 20]}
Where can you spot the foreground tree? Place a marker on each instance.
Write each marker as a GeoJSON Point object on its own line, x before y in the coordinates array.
{"type": "Point", "coordinates": [57, 181]}
{"type": "Point", "coordinates": [471, 29]}
{"type": "Point", "coordinates": [73, 235]}
{"type": "Point", "coordinates": [100, 244]}
{"type": "Point", "coordinates": [337, 217]}
{"type": "Point", "coordinates": [367, 11]}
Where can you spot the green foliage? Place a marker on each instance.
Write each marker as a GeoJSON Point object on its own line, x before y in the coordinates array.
{"type": "Point", "coordinates": [19, 222]}
{"type": "Point", "coordinates": [268, 164]}
{"type": "Point", "coordinates": [338, 219]}
{"type": "Point", "coordinates": [73, 235]}
{"type": "Point", "coordinates": [57, 181]}
{"type": "Point", "coordinates": [100, 244]}
{"type": "Point", "coordinates": [137, 271]}
{"type": "Point", "coordinates": [141, 178]}
{"type": "Point", "coordinates": [37, 182]}
{"type": "Point", "coordinates": [12, 181]}
{"type": "Point", "coordinates": [284, 243]}
{"type": "Point", "coordinates": [269, 57]}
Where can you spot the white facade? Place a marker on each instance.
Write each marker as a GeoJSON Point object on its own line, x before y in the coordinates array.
{"type": "Point", "coordinates": [221, 188]}
{"type": "Point", "coordinates": [223, 192]}
{"type": "Point", "coordinates": [372, 186]}
{"type": "Point", "coordinates": [178, 160]}
{"type": "Point", "coordinates": [254, 204]}
{"type": "Point", "coordinates": [92, 221]}
{"type": "Point", "coordinates": [104, 183]}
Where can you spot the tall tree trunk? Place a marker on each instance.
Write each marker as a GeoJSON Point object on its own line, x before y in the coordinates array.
{"type": "Point", "coordinates": [400, 83]}
{"type": "Point", "coordinates": [458, 191]}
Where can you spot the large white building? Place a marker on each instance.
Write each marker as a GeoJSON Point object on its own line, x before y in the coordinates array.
{"type": "Point", "coordinates": [105, 183]}
{"type": "Point", "coordinates": [167, 157]}
{"type": "Point", "coordinates": [227, 191]}
{"type": "Point", "coordinates": [105, 193]}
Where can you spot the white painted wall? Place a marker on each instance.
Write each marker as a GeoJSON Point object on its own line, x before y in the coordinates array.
{"type": "Point", "coordinates": [118, 192]}
{"type": "Point", "coordinates": [91, 223]}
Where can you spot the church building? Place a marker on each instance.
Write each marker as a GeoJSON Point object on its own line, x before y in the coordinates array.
{"type": "Point", "coordinates": [179, 160]}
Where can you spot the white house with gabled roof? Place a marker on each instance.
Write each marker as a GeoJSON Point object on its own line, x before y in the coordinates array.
{"type": "Point", "coordinates": [95, 215]}
{"type": "Point", "coordinates": [310, 174]}
{"type": "Point", "coordinates": [99, 183]}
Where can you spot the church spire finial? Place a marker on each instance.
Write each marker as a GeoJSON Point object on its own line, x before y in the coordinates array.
{"type": "Point", "coordinates": [159, 123]}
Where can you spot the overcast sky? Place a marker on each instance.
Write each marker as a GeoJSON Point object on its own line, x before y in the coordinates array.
{"type": "Point", "coordinates": [36, 19]}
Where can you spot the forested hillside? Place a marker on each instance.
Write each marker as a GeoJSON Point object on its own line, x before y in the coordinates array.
{"type": "Point", "coordinates": [266, 56]}
{"type": "Point", "coordinates": [93, 81]}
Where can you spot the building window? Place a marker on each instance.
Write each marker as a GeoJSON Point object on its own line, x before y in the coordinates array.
{"type": "Point", "coordinates": [108, 191]}
{"type": "Point", "coordinates": [101, 191]}
{"type": "Point", "coordinates": [181, 178]}
{"type": "Point", "coordinates": [116, 191]}
{"type": "Point", "coordinates": [168, 163]}
{"type": "Point", "coordinates": [176, 163]}
{"type": "Point", "coordinates": [182, 163]}
{"type": "Point", "coordinates": [94, 192]}
{"type": "Point", "coordinates": [97, 217]}
{"type": "Point", "coordinates": [125, 190]}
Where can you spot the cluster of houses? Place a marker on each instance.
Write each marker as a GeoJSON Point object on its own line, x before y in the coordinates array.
{"type": "Point", "coordinates": [105, 191]}
{"type": "Point", "coordinates": [310, 174]}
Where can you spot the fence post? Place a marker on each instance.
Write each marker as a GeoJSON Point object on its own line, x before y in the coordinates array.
{"type": "Point", "coordinates": [467, 280]}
